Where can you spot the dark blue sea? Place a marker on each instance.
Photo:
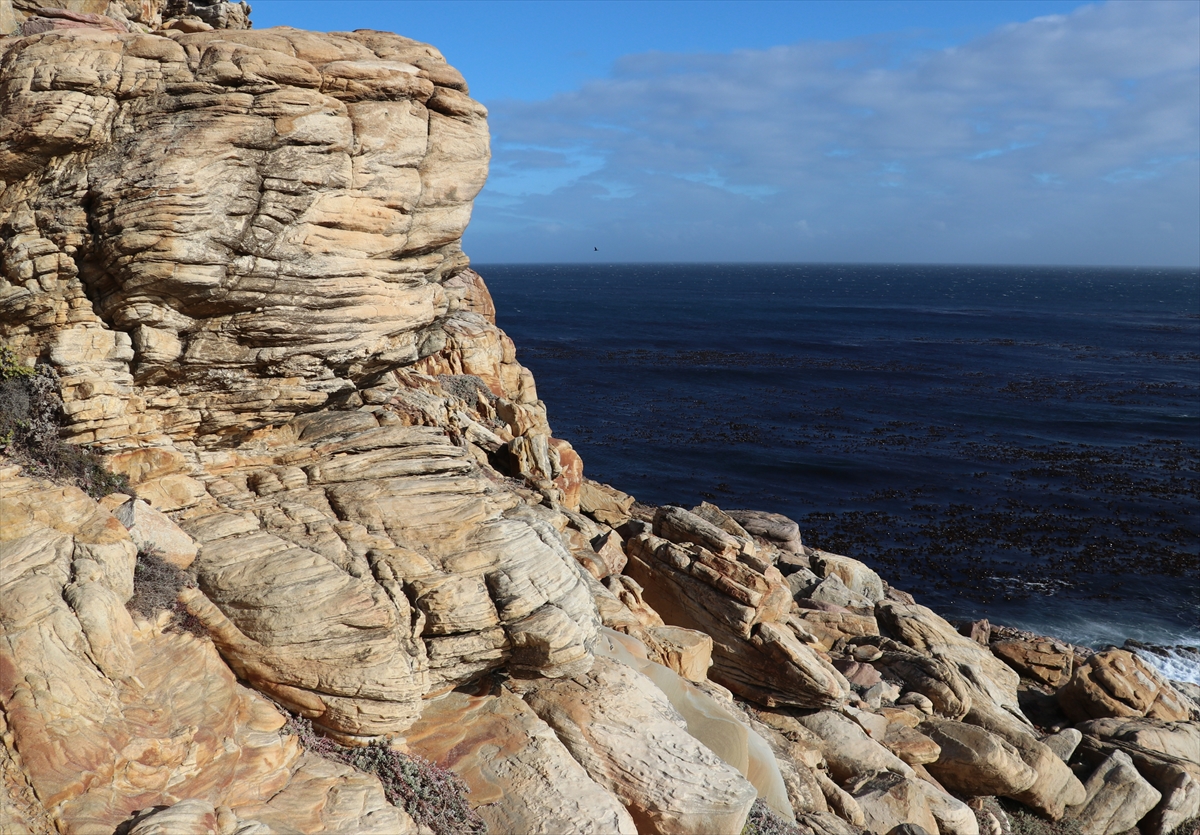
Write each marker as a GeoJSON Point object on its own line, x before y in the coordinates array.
{"type": "Point", "coordinates": [1015, 443]}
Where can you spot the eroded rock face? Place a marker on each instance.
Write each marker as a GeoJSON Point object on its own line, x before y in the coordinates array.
{"type": "Point", "coordinates": [112, 717]}
{"type": "Point", "coordinates": [237, 225]}
{"type": "Point", "coordinates": [1118, 684]}
{"type": "Point", "coordinates": [240, 251]}
{"type": "Point", "coordinates": [629, 739]}
{"type": "Point", "coordinates": [521, 777]}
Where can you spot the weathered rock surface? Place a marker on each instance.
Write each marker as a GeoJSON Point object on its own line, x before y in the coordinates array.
{"type": "Point", "coordinates": [1045, 661]}
{"type": "Point", "coordinates": [850, 752]}
{"type": "Point", "coordinates": [521, 777]}
{"type": "Point", "coordinates": [273, 221]}
{"type": "Point", "coordinates": [1166, 754]}
{"type": "Point", "coordinates": [240, 252]}
{"type": "Point", "coordinates": [1117, 683]}
{"type": "Point", "coordinates": [419, 573]}
{"type": "Point", "coordinates": [623, 731]}
{"type": "Point", "coordinates": [110, 717]}
{"type": "Point", "coordinates": [698, 576]}
{"type": "Point", "coordinates": [975, 762]}
{"type": "Point", "coordinates": [1117, 798]}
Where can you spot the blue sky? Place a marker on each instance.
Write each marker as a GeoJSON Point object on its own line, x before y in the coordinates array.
{"type": "Point", "coordinates": [973, 132]}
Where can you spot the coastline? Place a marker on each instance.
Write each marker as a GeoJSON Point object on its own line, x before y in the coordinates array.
{"type": "Point", "coordinates": [763, 422]}
{"type": "Point", "coordinates": [354, 581]}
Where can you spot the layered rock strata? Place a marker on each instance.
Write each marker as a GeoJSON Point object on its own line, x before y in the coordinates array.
{"type": "Point", "coordinates": [240, 252]}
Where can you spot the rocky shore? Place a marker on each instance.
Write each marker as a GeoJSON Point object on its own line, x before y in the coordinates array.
{"type": "Point", "coordinates": [236, 253]}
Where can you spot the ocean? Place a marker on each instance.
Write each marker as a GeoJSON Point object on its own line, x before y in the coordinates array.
{"type": "Point", "coordinates": [1014, 443]}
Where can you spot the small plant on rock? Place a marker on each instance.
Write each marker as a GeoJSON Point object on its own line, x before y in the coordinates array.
{"type": "Point", "coordinates": [30, 416]}
{"type": "Point", "coordinates": [156, 587]}
{"type": "Point", "coordinates": [1191, 826]}
{"type": "Point", "coordinates": [1025, 822]}
{"type": "Point", "coordinates": [763, 820]}
{"type": "Point", "coordinates": [430, 794]}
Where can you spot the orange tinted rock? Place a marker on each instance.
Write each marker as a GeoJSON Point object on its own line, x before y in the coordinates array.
{"type": "Point", "coordinates": [1117, 683]}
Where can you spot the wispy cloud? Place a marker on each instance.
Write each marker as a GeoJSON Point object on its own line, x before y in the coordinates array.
{"type": "Point", "coordinates": [1067, 139]}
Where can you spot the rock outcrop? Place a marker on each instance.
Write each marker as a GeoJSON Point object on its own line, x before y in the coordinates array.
{"type": "Point", "coordinates": [239, 252]}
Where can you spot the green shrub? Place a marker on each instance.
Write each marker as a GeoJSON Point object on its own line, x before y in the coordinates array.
{"type": "Point", "coordinates": [429, 793]}
{"type": "Point", "coordinates": [31, 412]}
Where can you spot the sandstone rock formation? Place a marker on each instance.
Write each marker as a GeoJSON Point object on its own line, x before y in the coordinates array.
{"type": "Point", "coordinates": [240, 252]}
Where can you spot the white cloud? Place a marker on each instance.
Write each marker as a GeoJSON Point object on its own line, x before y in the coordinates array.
{"type": "Point", "coordinates": [1067, 139]}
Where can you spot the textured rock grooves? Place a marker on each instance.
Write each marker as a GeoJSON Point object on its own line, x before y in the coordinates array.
{"type": "Point", "coordinates": [240, 251]}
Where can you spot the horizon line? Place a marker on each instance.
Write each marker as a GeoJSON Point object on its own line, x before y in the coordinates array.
{"type": "Point", "coordinates": [1176, 268]}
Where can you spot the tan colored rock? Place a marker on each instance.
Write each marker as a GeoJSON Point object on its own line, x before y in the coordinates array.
{"type": "Point", "coordinates": [833, 590]}
{"type": "Point", "coordinates": [854, 575]}
{"type": "Point", "coordinates": [1044, 661]}
{"type": "Point", "coordinates": [611, 550]}
{"type": "Point", "coordinates": [929, 679]}
{"type": "Point", "coordinates": [841, 802]}
{"type": "Point", "coordinates": [912, 746]}
{"type": "Point", "coordinates": [952, 815]}
{"type": "Point", "coordinates": [603, 503]}
{"type": "Point", "coordinates": [686, 651]}
{"type": "Point", "coordinates": [1117, 798]}
{"type": "Point", "coordinates": [830, 627]}
{"type": "Point", "coordinates": [711, 513]}
{"type": "Point", "coordinates": [193, 817]}
{"type": "Point", "coordinates": [8, 20]}
{"type": "Point", "coordinates": [1166, 754]}
{"type": "Point", "coordinates": [682, 526]}
{"type": "Point", "coordinates": [976, 762]}
{"type": "Point", "coordinates": [1179, 740]}
{"type": "Point", "coordinates": [889, 800]}
{"type": "Point", "coordinates": [521, 777]}
{"type": "Point", "coordinates": [1117, 683]}
{"type": "Point", "coordinates": [775, 528]}
{"type": "Point", "coordinates": [110, 718]}
{"type": "Point", "coordinates": [154, 531]}
{"type": "Point", "coordinates": [630, 593]}
{"type": "Point", "coordinates": [1063, 743]}
{"type": "Point", "coordinates": [1056, 787]}
{"type": "Point", "coordinates": [921, 629]}
{"type": "Point", "coordinates": [742, 602]}
{"type": "Point", "coordinates": [324, 157]}
{"type": "Point", "coordinates": [850, 752]}
{"type": "Point", "coordinates": [711, 716]}
{"type": "Point", "coordinates": [623, 731]}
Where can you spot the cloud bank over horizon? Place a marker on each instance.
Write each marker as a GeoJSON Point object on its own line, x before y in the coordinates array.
{"type": "Point", "coordinates": [1063, 140]}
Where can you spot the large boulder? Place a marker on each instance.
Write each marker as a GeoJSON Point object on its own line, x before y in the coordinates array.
{"type": "Point", "coordinates": [1166, 754]}
{"type": "Point", "coordinates": [629, 739]}
{"type": "Point", "coordinates": [521, 778]}
{"type": "Point", "coordinates": [1117, 798]}
{"type": "Point", "coordinates": [850, 752]}
{"type": "Point", "coordinates": [889, 800]}
{"type": "Point", "coordinates": [706, 579]}
{"type": "Point", "coordinates": [974, 762]}
{"type": "Point", "coordinates": [1043, 660]}
{"type": "Point", "coordinates": [919, 628]}
{"type": "Point", "coordinates": [1118, 683]}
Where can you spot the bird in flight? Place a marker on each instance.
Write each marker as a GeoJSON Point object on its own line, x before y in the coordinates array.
{"type": "Point", "coordinates": [595, 249]}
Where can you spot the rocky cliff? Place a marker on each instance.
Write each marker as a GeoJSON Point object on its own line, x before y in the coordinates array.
{"type": "Point", "coordinates": [236, 253]}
